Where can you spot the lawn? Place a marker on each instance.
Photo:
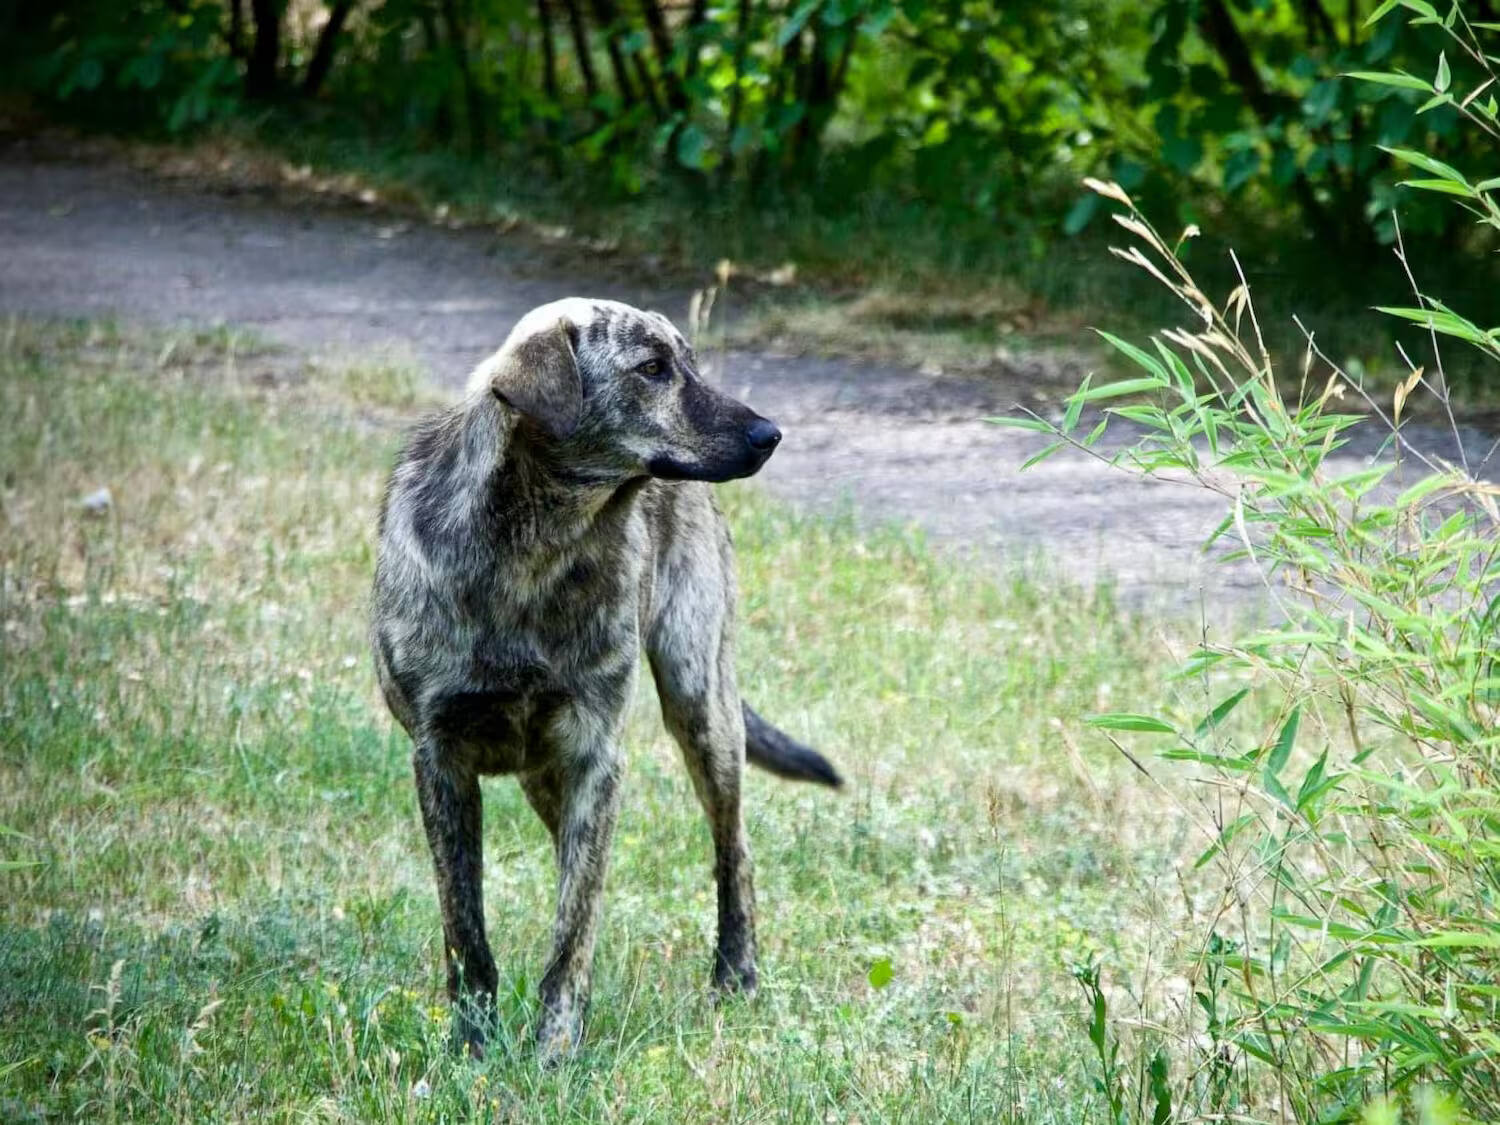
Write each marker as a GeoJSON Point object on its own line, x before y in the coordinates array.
{"type": "Point", "coordinates": [215, 899]}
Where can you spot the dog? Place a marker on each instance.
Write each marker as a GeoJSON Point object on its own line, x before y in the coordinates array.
{"type": "Point", "coordinates": [533, 540]}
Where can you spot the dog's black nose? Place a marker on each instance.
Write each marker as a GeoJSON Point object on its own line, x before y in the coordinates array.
{"type": "Point", "coordinates": [762, 435]}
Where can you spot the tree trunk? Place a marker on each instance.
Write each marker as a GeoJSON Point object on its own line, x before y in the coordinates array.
{"type": "Point", "coordinates": [549, 52]}
{"type": "Point", "coordinates": [823, 81]}
{"type": "Point", "coordinates": [328, 45]}
{"type": "Point", "coordinates": [265, 55]}
{"type": "Point", "coordinates": [581, 48]}
{"type": "Point", "coordinates": [789, 72]}
{"type": "Point", "coordinates": [237, 29]}
{"type": "Point", "coordinates": [696, 15]}
{"type": "Point", "coordinates": [661, 43]}
{"type": "Point", "coordinates": [1320, 27]}
{"type": "Point", "coordinates": [458, 43]}
{"type": "Point", "coordinates": [1218, 27]}
{"type": "Point", "coordinates": [737, 95]}
{"type": "Point", "coordinates": [647, 84]}
{"type": "Point", "coordinates": [604, 12]}
{"type": "Point", "coordinates": [442, 117]}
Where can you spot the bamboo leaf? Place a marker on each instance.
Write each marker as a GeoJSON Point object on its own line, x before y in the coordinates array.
{"type": "Point", "coordinates": [1399, 80]}
{"type": "Point", "coordinates": [1123, 387]}
{"type": "Point", "coordinates": [1135, 354]}
{"type": "Point", "coordinates": [1075, 403]}
{"type": "Point", "coordinates": [1038, 458]}
{"type": "Point", "coordinates": [1282, 748]}
{"type": "Point", "coordinates": [1220, 712]}
{"type": "Point", "coordinates": [1121, 720]}
{"type": "Point", "coordinates": [1036, 425]}
{"type": "Point", "coordinates": [1446, 187]}
{"type": "Point", "coordinates": [1427, 163]}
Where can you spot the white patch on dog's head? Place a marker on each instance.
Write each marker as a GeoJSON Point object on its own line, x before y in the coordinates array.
{"type": "Point", "coordinates": [580, 312]}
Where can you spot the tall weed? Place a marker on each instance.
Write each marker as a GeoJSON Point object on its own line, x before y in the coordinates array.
{"type": "Point", "coordinates": [1348, 967]}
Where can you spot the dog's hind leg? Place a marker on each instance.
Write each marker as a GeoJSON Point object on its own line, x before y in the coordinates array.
{"type": "Point", "coordinates": [543, 791]}
{"type": "Point", "coordinates": [692, 660]}
{"type": "Point", "coordinates": [448, 792]}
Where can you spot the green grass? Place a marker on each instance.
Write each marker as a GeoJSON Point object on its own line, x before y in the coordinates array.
{"type": "Point", "coordinates": [216, 902]}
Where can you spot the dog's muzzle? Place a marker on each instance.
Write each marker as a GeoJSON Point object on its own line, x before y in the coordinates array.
{"type": "Point", "coordinates": [760, 437]}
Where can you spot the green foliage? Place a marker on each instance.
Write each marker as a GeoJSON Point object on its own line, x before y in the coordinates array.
{"type": "Point", "coordinates": [987, 109]}
{"type": "Point", "coordinates": [1355, 833]}
{"type": "Point", "coordinates": [162, 61]}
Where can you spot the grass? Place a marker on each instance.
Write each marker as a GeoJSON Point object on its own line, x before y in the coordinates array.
{"type": "Point", "coordinates": [215, 900]}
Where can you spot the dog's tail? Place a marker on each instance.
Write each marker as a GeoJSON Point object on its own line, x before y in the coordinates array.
{"type": "Point", "coordinates": [783, 755]}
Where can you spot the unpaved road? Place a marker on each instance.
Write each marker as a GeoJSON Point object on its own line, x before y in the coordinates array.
{"type": "Point", "coordinates": [95, 239]}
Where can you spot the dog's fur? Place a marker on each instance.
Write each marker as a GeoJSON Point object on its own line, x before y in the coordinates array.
{"type": "Point", "coordinates": [533, 540]}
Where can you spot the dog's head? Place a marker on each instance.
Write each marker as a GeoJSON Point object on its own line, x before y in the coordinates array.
{"type": "Point", "coordinates": [617, 389]}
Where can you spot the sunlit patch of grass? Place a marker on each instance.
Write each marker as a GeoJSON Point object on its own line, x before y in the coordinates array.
{"type": "Point", "coordinates": [217, 902]}
{"type": "Point", "coordinates": [390, 383]}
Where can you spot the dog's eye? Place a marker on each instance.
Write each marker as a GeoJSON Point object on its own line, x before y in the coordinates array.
{"type": "Point", "coordinates": [651, 369]}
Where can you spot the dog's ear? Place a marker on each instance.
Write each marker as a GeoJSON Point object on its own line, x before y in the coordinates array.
{"type": "Point", "coordinates": [537, 377]}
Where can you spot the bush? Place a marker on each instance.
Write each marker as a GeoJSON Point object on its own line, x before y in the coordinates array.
{"type": "Point", "coordinates": [1352, 968]}
{"type": "Point", "coordinates": [162, 63]}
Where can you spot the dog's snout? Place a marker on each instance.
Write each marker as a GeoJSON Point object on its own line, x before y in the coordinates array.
{"type": "Point", "coordinates": [762, 435]}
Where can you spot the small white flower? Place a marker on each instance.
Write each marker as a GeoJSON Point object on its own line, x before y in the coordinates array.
{"type": "Point", "coordinates": [421, 1090]}
{"type": "Point", "coordinates": [98, 502]}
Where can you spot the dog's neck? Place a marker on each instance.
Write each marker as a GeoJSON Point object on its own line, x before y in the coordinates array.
{"type": "Point", "coordinates": [529, 496]}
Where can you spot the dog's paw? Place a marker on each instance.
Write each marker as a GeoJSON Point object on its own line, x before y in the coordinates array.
{"type": "Point", "coordinates": [468, 1040]}
{"type": "Point", "coordinates": [734, 980]}
{"type": "Point", "coordinates": [473, 1021]}
{"type": "Point", "coordinates": [557, 1040]}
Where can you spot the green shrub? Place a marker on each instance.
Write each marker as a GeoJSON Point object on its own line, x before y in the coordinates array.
{"type": "Point", "coordinates": [161, 63]}
{"type": "Point", "coordinates": [1350, 969]}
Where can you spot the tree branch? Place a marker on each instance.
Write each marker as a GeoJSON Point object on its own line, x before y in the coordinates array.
{"type": "Point", "coordinates": [236, 36]}
{"type": "Point", "coordinates": [604, 12]}
{"type": "Point", "coordinates": [328, 40]}
{"type": "Point", "coordinates": [581, 48]}
{"type": "Point", "coordinates": [661, 43]}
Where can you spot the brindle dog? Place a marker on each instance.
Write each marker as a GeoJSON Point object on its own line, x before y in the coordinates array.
{"type": "Point", "coordinates": [533, 540]}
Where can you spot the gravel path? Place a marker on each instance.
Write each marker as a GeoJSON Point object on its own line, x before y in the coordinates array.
{"type": "Point", "coordinates": [80, 238]}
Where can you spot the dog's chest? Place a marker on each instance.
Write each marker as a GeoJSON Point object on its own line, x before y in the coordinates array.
{"type": "Point", "coordinates": [528, 657]}
{"type": "Point", "coordinates": [499, 709]}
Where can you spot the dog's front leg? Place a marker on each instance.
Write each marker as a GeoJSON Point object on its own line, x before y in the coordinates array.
{"type": "Point", "coordinates": [448, 791]}
{"type": "Point", "coordinates": [589, 777]}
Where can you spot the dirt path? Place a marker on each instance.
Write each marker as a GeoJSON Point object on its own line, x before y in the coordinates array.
{"type": "Point", "coordinates": [96, 239]}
